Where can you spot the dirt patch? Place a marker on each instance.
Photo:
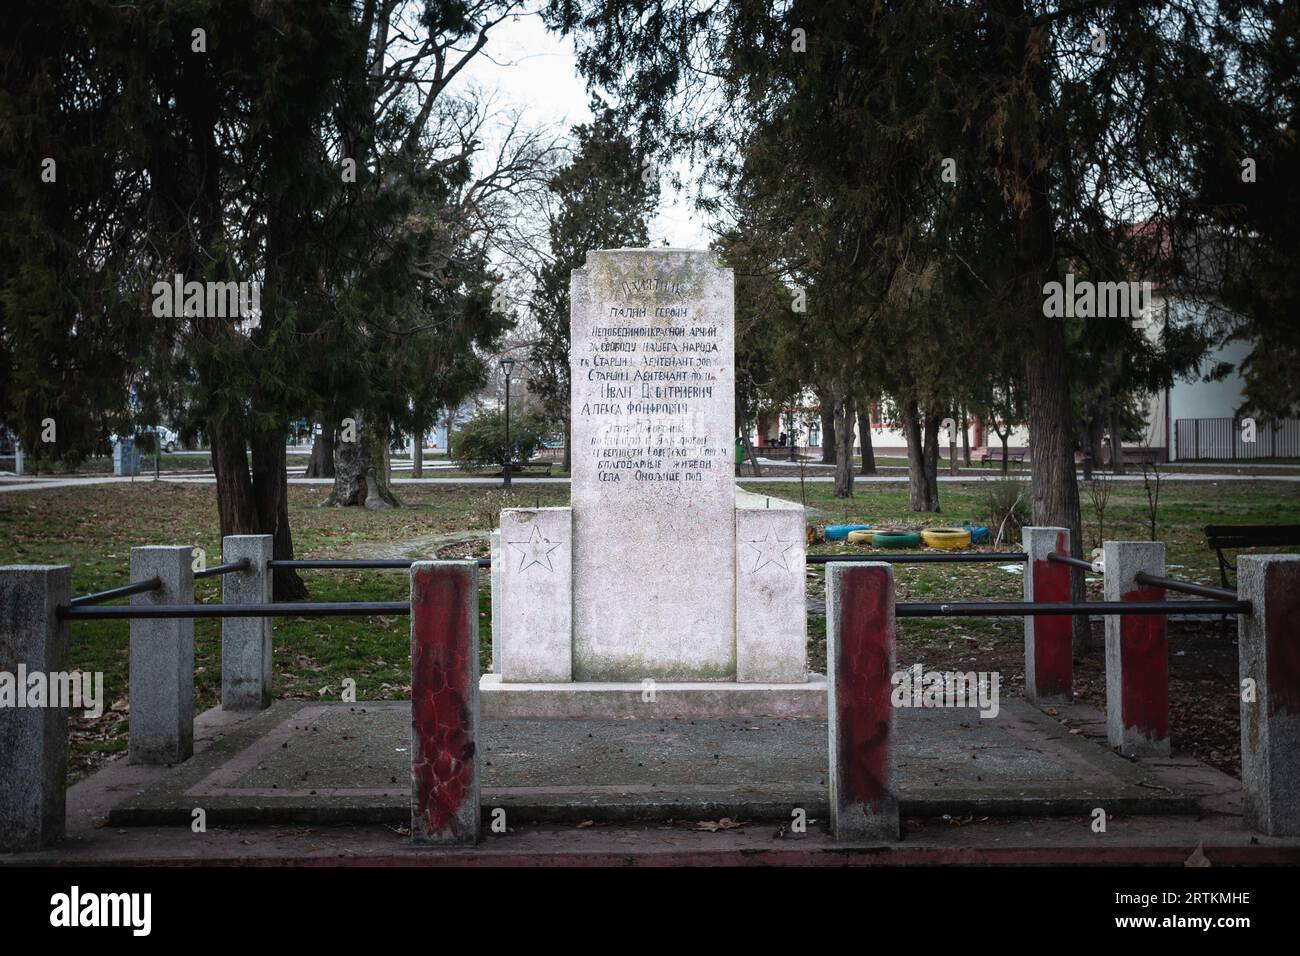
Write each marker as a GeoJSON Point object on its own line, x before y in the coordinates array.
{"type": "Point", "coordinates": [1204, 714]}
{"type": "Point", "coordinates": [474, 548]}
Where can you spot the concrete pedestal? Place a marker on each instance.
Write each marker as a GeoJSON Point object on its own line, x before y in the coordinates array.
{"type": "Point", "coordinates": [33, 739]}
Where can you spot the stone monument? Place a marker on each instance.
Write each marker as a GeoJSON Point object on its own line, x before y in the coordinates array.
{"type": "Point", "coordinates": [658, 573]}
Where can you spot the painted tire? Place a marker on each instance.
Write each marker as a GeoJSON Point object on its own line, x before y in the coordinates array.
{"type": "Point", "coordinates": [946, 537]}
{"type": "Point", "coordinates": [896, 539]}
{"type": "Point", "coordinates": [978, 533]}
{"type": "Point", "coordinates": [860, 537]}
{"type": "Point", "coordinates": [838, 532]}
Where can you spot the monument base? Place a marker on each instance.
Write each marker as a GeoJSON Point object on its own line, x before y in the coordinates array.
{"type": "Point", "coordinates": [500, 700]}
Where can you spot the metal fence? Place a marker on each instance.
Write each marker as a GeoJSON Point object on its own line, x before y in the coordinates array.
{"type": "Point", "coordinates": [1221, 438]}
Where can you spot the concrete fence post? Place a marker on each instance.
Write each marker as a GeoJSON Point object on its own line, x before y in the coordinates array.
{"type": "Point", "coordinates": [860, 714]}
{"type": "Point", "coordinates": [1137, 653]}
{"type": "Point", "coordinates": [246, 641]}
{"type": "Point", "coordinates": [1049, 654]}
{"type": "Point", "coordinates": [444, 702]}
{"type": "Point", "coordinates": [33, 739]}
{"type": "Point", "coordinates": [162, 660]}
{"type": "Point", "coordinates": [1269, 649]}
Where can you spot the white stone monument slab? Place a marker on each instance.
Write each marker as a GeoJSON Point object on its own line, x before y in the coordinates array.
{"type": "Point", "coordinates": [653, 483]}
{"type": "Point", "coordinates": [771, 612]}
{"type": "Point", "coordinates": [536, 573]}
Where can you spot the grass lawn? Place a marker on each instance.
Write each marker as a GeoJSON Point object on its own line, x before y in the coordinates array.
{"type": "Point", "coordinates": [94, 528]}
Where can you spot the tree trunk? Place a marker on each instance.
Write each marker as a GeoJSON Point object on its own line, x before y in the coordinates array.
{"type": "Point", "coordinates": [868, 450]}
{"type": "Point", "coordinates": [965, 437]}
{"type": "Point", "coordinates": [1004, 438]}
{"type": "Point", "coordinates": [359, 479]}
{"type": "Point", "coordinates": [915, 455]}
{"type": "Point", "coordinates": [931, 460]}
{"type": "Point", "coordinates": [844, 415]}
{"type": "Point", "coordinates": [568, 444]}
{"type": "Point", "coordinates": [750, 453]}
{"type": "Point", "coordinates": [236, 511]}
{"type": "Point", "coordinates": [952, 445]}
{"type": "Point", "coordinates": [1091, 444]}
{"type": "Point", "coordinates": [271, 495]}
{"type": "Point", "coordinates": [1096, 440]}
{"type": "Point", "coordinates": [417, 453]}
{"type": "Point", "coordinates": [321, 464]}
{"type": "Point", "coordinates": [922, 457]}
{"type": "Point", "coordinates": [1055, 487]}
{"type": "Point", "coordinates": [1116, 446]}
{"type": "Point", "coordinates": [1034, 242]}
{"type": "Point", "coordinates": [828, 430]}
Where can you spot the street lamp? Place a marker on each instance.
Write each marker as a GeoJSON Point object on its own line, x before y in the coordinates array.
{"type": "Point", "coordinates": [507, 366]}
{"type": "Point", "coordinates": [792, 440]}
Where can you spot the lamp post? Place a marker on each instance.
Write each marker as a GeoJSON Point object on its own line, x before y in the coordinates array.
{"type": "Point", "coordinates": [507, 366]}
{"type": "Point", "coordinates": [792, 438]}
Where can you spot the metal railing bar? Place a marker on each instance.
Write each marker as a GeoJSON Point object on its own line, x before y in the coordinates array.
{"type": "Point", "coordinates": [1185, 587]}
{"type": "Point", "coordinates": [1073, 608]}
{"type": "Point", "coordinates": [126, 590]}
{"type": "Point", "coordinates": [243, 564]}
{"type": "Point", "coordinates": [357, 564]}
{"type": "Point", "coordinates": [1071, 560]}
{"type": "Point", "coordinates": [301, 609]}
{"type": "Point", "coordinates": [939, 557]}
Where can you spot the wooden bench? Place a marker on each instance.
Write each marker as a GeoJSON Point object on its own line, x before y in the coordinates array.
{"type": "Point", "coordinates": [1014, 455]}
{"type": "Point", "coordinates": [1224, 537]}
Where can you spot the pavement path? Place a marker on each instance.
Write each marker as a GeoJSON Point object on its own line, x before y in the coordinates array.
{"type": "Point", "coordinates": [28, 483]}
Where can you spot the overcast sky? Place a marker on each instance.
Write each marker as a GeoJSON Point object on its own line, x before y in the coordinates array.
{"type": "Point", "coordinates": [537, 72]}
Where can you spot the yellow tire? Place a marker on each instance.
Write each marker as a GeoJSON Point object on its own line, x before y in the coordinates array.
{"type": "Point", "coordinates": [859, 537]}
{"type": "Point", "coordinates": [946, 537]}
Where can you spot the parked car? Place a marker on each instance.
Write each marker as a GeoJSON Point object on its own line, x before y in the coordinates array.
{"type": "Point", "coordinates": [168, 440]}
{"type": "Point", "coordinates": [553, 441]}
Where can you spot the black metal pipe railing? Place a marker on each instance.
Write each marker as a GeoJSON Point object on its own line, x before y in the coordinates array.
{"type": "Point", "coordinates": [1071, 561]}
{"type": "Point", "coordinates": [355, 564]}
{"type": "Point", "coordinates": [302, 609]}
{"type": "Point", "coordinates": [126, 590]}
{"type": "Point", "coordinates": [1185, 587]}
{"type": "Point", "coordinates": [939, 557]}
{"type": "Point", "coordinates": [243, 564]}
{"type": "Point", "coordinates": [1073, 608]}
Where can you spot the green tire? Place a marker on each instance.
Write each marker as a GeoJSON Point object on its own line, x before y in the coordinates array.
{"type": "Point", "coordinates": [896, 539]}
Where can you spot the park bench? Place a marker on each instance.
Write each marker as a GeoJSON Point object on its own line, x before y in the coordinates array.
{"type": "Point", "coordinates": [1014, 455]}
{"type": "Point", "coordinates": [1224, 537]}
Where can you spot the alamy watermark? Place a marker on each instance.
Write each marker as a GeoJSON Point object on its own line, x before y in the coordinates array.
{"type": "Point", "coordinates": [938, 689]}
{"type": "Point", "coordinates": [1084, 299]}
{"type": "Point", "coordinates": [75, 909]}
{"type": "Point", "coordinates": [78, 690]}
{"type": "Point", "coordinates": [208, 300]}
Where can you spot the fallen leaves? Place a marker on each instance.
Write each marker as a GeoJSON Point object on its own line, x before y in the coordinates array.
{"type": "Point", "coordinates": [713, 826]}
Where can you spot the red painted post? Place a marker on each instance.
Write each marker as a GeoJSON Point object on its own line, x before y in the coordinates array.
{"type": "Point", "coordinates": [860, 718]}
{"type": "Point", "coordinates": [1049, 649]}
{"type": "Point", "coordinates": [444, 702]}
{"type": "Point", "coordinates": [1137, 653]}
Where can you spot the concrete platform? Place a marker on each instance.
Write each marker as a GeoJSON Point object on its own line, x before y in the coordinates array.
{"type": "Point", "coordinates": [310, 763]}
{"type": "Point", "coordinates": [619, 701]}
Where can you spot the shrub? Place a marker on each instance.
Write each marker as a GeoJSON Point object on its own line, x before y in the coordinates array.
{"type": "Point", "coordinates": [1006, 510]}
{"type": "Point", "coordinates": [481, 442]}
